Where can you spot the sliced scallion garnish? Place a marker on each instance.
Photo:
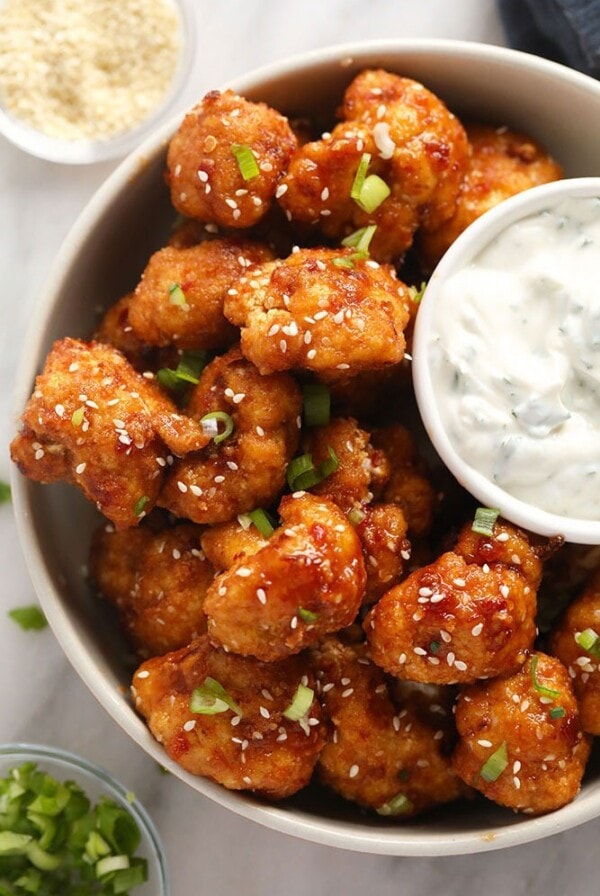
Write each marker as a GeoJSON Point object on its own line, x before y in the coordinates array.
{"type": "Point", "coordinates": [77, 416]}
{"type": "Point", "coordinates": [360, 176]}
{"type": "Point", "coordinates": [177, 295]}
{"type": "Point", "coordinates": [210, 425]}
{"type": "Point", "coordinates": [374, 191]}
{"type": "Point", "coordinates": [301, 703]}
{"type": "Point", "coordinates": [589, 641]}
{"type": "Point", "coordinates": [30, 617]}
{"type": "Point", "coordinates": [307, 615]}
{"type": "Point", "coordinates": [246, 160]}
{"type": "Point", "coordinates": [211, 698]}
{"type": "Point", "coordinates": [557, 712]}
{"type": "Point", "coordinates": [140, 505]}
{"type": "Point", "coordinates": [484, 521]}
{"type": "Point", "coordinates": [416, 293]}
{"type": "Point", "coordinates": [398, 805]}
{"type": "Point", "coordinates": [262, 522]}
{"type": "Point", "coordinates": [360, 239]}
{"type": "Point", "coordinates": [356, 516]}
{"type": "Point", "coordinates": [302, 474]}
{"type": "Point", "coordinates": [188, 370]}
{"type": "Point", "coordinates": [317, 404]}
{"type": "Point", "coordinates": [495, 764]}
{"type": "Point", "coordinates": [540, 688]}
{"type": "Point", "coordinates": [343, 261]}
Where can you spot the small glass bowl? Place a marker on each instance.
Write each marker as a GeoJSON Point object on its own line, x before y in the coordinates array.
{"type": "Point", "coordinates": [83, 152]}
{"type": "Point", "coordinates": [96, 782]}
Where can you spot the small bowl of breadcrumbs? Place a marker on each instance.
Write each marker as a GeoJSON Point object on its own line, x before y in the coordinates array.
{"type": "Point", "coordinates": [86, 80]}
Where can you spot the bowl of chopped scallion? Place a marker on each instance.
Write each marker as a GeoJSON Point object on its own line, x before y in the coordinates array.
{"type": "Point", "coordinates": [68, 827]}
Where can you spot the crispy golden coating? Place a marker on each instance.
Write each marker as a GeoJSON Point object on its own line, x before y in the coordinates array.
{"type": "Point", "coordinates": [386, 549]}
{"type": "Point", "coordinates": [546, 751]}
{"type": "Point", "coordinates": [306, 582]}
{"type": "Point", "coordinates": [454, 621]}
{"type": "Point", "coordinates": [254, 747]}
{"type": "Point", "coordinates": [157, 581]}
{"type": "Point", "coordinates": [502, 163]}
{"type": "Point", "coordinates": [202, 171]}
{"type": "Point", "coordinates": [508, 545]}
{"type": "Point", "coordinates": [415, 145]}
{"type": "Point", "coordinates": [246, 470]}
{"type": "Point", "coordinates": [228, 542]}
{"type": "Point", "coordinates": [115, 329]}
{"type": "Point", "coordinates": [583, 665]}
{"type": "Point", "coordinates": [104, 426]}
{"type": "Point", "coordinates": [180, 298]}
{"type": "Point", "coordinates": [308, 311]}
{"type": "Point", "coordinates": [408, 485]}
{"type": "Point", "coordinates": [385, 755]}
{"type": "Point", "coordinates": [363, 471]}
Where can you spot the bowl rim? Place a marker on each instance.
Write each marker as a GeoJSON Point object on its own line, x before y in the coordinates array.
{"type": "Point", "coordinates": [480, 234]}
{"type": "Point", "coordinates": [399, 841]}
{"type": "Point", "coordinates": [43, 753]}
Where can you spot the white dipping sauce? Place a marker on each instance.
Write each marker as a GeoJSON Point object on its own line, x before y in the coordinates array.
{"type": "Point", "coordinates": [514, 358]}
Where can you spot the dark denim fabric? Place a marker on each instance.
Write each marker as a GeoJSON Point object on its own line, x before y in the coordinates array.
{"type": "Point", "coordinates": [567, 31]}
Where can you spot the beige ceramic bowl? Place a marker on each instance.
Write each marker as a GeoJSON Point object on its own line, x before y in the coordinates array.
{"type": "Point", "coordinates": [102, 258]}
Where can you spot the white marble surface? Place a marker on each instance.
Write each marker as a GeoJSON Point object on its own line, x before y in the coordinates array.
{"type": "Point", "coordinates": [41, 698]}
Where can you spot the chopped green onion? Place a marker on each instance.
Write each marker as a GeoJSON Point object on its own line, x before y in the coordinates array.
{"type": "Point", "coordinates": [211, 698]}
{"type": "Point", "coordinates": [176, 294]}
{"type": "Point", "coordinates": [343, 261]}
{"type": "Point", "coordinates": [210, 426]}
{"type": "Point", "coordinates": [557, 712]}
{"type": "Point", "coordinates": [540, 688]}
{"type": "Point", "coordinates": [246, 160]}
{"type": "Point", "coordinates": [244, 521]}
{"type": "Point", "coordinates": [495, 764]}
{"type": "Point", "coordinates": [188, 370]}
{"type": "Point", "coordinates": [485, 518]}
{"type": "Point", "coordinates": [81, 850]}
{"type": "Point", "coordinates": [360, 176]}
{"type": "Point", "coordinates": [302, 473]}
{"type": "Point", "coordinates": [317, 404]}
{"type": "Point", "coordinates": [301, 703]}
{"type": "Point", "coordinates": [416, 293]}
{"type": "Point", "coordinates": [262, 522]}
{"type": "Point", "coordinates": [398, 805]}
{"type": "Point", "coordinates": [589, 641]}
{"type": "Point", "coordinates": [374, 191]}
{"type": "Point", "coordinates": [434, 647]}
{"type": "Point", "coordinates": [356, 516]}
{"type": "Point", "coordinates": [307, 615]}
{"type": "Point", "coordinates": [30, 618]}
{"type": "Point", "coordinates": [361, 239]}
{"type": "Point", "coordinates": [140, 504]}
{"type": "Point", "coordinates": [4, 492]}
{"type": "Point", "coordinates": [77, 416]}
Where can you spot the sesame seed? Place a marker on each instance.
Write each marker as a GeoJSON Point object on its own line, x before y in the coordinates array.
{"type": "Point", "coordinates": [143, 674]}
{"type": "Point", "coordinates": [517, 783]}
{"type": "Point", "coordinates": [231, 202]}
{"type": "Point", "coordinates": [348, 692]}
{"type": "Point", "coordinates": [485, 568]}
{"type": "Point", "coordinates": [484, 743]}
{"type": "Point", "coordinates": [516, 767]}
{"type": "Point", "coordinates": [176, 554]}
{"type": "Point", "coordinates": [281, 190]}
{"type": "Point", "coordinates": [460, 583]}
{"type": "Point", "coordinates": [477, 629]}
{"type": "Point", "coordinates": [182, 486]}
{"type": "Point", "coordinates": [219, 479]}
{"type": "Point", "coordinates": [419, 651]}
{"type": "Point", "coordinates": [354, 770]}
{"type": "Point", "coordinates": [202, 175]}
{"type": "Point", "coordinates": [450, 657]}
{"type": "Point", "coordinates": [238, 397]}
{"type": "Point", "coordinates": [265, 712]}
{"type": "Point", "coordinates": [402, 659]}
{"type": "Point", "coordinates": [325, 194]}
{"type": "Point", "coordinates": [80, 468]}
{"type": "Point", "coordinates": [445, 636]}
{"type": "Point", "coordinates": [502, 536]}
{"type": "Point", "coordinates": [504, 590]}
{"type": "Point", "coordinates": [524, 705]}
{"type": "Point", "coordinates": [283, 345]}
{"type": "Point", "coordinates": [312, 353]}
{"type": "Point", "coordinates": [260, 431]}
{"type": "Point", "coordinates": [294, 622]}
{"type": "Point", "coordinates": [458, 664]}
{"type": "Point", "coordinates": [243, 572]}
{"type": "Point", "coordinates": [189, 725]}
{"type": "Point", "coordinates": [59, 410]}
{"type": "Point", "coordinates": [261, 595]}
{"type": "Point", "coordinates": [196, 490]}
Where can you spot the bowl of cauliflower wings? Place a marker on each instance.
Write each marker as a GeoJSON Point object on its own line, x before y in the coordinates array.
{"type": "Point", "coordinates": [286, 599]}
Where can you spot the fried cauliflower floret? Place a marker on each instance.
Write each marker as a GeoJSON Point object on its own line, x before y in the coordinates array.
{"type": "Point", "coordinates": [247, 469]}
{"type": "Point", "coordinates": [203, 173]}
{"type": "Point", "coordinates": [386, 549]}
{"type": "Point", "coordinates": [111, 427]}
{"type": "Point", "coordinates": [502, 163]}
{"type": "Point", "coordinates": [156, 580]}
{"type": "Point", "coordinates": [228, 542]}
{"type": "Point", "coordinates": [306, 582]}
{"type": "Point", "coordinates": [388, 756]}
{"type": "Point", "coordinates": [362, 472]}
{"type": "Point", "coordinates": [508, 545]}
{"type": "Point", "coordinates": [309, 311]}
{"type": "Point", "coordinates": [529, 722]}
{"type": "Point", "coordinates": [413, 143]}
{"type": "Point", "coordinates": [115, 329]}
{"type": "Point", "coordinates": [252, 746]}
{"type": "Point", "coordinates": [182, 291]}
{"type": "Point", "coordinates": [409, 486]}
{"type": "Point", "coordinates": [454, 621]}
{"type": "Point", "coordinates": [582, 616]}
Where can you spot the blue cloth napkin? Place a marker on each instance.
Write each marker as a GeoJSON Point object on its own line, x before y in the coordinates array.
{"type": "Point", "coordinates": [567, 31]}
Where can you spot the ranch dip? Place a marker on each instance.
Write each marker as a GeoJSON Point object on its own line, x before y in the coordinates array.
{"type": "Point", "coordinates": [514, 357]}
